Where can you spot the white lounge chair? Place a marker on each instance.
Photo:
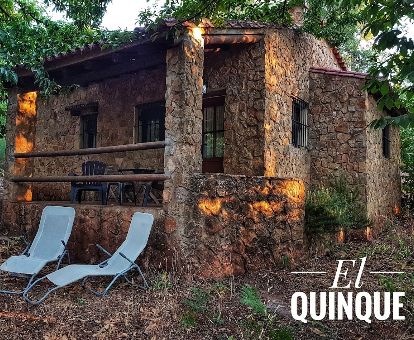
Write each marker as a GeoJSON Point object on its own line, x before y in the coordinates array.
{"type": "Point", "coordinates": [119, 263]}
{"type": "Point", "coordinates": [49, 245]}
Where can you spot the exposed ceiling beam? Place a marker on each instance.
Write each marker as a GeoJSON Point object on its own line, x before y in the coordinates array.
{"type": "Point", "coordinates": [228, 39]}
{"type": "Point", "coordinates": [68, 78]}
{"type": "Point", "coordinates": [80, 56]}
{"type": "Point", "coordinates": [113, 70]}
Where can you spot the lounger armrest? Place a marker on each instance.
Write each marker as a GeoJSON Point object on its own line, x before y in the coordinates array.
{"type": "Point", "coordinates": [25, 251]}
{"type": "Point", "coordinates": [103, 249]}
{"type": "Point", "coordinates": [64, 249]}
{"type": "Point", "coordinates": [126, 258]}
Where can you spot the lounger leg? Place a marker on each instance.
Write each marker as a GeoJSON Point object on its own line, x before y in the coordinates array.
{"type": "Point", "coordinates": [146, 286]}
{"type": "Point", "coordinates": [105, 291]}
{"type": "Point", "coordinates": [18, 292]}
{"type": "Point", "coordinates": [30, 287]}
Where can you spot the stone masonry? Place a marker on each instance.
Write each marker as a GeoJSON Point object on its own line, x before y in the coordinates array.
{"type": "Point", "coordinates": [285, 79]}
{"type": "Point", "coordinates": [242, 223]}
{"type": "Point", "coordinates": [183, 131]}
{"type": "Point", "coordinates": [240, 72]}
{"type": "Point", "coordinates": [342, 144]}
{"type": "Point", "coordinates": [116, 98]}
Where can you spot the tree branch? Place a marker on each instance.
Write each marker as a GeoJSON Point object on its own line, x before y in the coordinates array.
{"type": "Point", "coordinates": [7, 14]}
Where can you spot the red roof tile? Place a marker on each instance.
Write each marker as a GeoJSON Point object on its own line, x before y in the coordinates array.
{"type": "Point", "coordinates": [143, 35]}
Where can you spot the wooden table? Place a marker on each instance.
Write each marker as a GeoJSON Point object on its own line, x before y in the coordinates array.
{"type": "Point", "coordinates": [148, 186]}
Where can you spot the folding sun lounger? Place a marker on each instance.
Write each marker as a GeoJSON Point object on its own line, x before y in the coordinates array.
{"type": "Point", "coordinates": [118, 265]}
{"type": "Point", "coordinates": [49, 245]}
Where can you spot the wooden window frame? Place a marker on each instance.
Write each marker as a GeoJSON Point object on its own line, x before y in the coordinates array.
{"type": "Point", "coordinates": [137, 133]}
{"type": "Point", "coordinates": [213, 99]}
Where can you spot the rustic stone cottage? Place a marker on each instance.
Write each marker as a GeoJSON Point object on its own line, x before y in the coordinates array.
{"type": "Point", "coordinates": [236, 122]}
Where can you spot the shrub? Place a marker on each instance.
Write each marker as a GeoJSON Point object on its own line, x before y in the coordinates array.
{"type": "Point", "coordinates": [332, 207]}
{"type": "Point", "coordinates": [407, 167]}
{"type": "Point", "coordinates": [195, 307]}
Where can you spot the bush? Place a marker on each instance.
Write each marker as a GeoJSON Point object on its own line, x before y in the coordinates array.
{"type": "Point", "coordinates": [407, 167]}
{"type": "Point", "coordinates": [332, 207]}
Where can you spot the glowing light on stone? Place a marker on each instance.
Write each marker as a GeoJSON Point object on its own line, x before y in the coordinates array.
{"type": "Point", "coordinates": [197, 33]}
{"type": "Point", "coordinates": [27, 196]}
{"type": "Point", "coordinates": [295, 190]}
{"type": "Point", "coordinates": [210, 206]}
{"type": "Point", "coordinates": [341, 236]}
{"type": "Point", "coordinates": [22, 144]}
{"type": "Point", "coordinates": [368, 233]}
{"type": "Point", "coordinates": [396, 210]}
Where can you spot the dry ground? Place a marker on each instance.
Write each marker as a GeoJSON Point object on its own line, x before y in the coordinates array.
{"type": "Point", "coordinates": [175, 308]}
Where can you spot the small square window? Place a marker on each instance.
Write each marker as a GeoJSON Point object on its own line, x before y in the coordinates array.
{"type": "Point", "coordinates": [149, 122]}
{"type": "Point", "coordinates": [299, 123]}
{"type": "Point", "coordinates": [386, 142]}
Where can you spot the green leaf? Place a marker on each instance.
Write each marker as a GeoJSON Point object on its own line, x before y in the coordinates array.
{"type": "Point", "coordinates": [250, 297]}
{"type": "Point", "coordinates": [384, 89]}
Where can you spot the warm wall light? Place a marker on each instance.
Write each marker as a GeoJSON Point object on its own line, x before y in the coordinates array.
{"type": "Point", "coordinates": [368, 233]}
{"type": "Point", "coordinates": [197, 33]}
{"type": "Point", "coordinates": [341, 236]}
{"type": "Point", "coordinates": [22, 145]}
{"type": "Point", "coordinates": [210, 206]}
{"type": "Point", "coordinates": [27, 196]}
{"type": "Point", "coordinates": [295, 190]}
{"type": "Point", "coordinates": [25, 127]}
{"type": "Point", "coordinates": [27, 103]}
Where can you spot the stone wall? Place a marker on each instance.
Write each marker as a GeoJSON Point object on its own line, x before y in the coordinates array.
{"type": "Point", "coordinates": [383, 174]}
{"type": "Point", "coordinates": [9, 162]}
{"type": "Point", "coordinates": [57, 129]}
{"type": "Point", "coordinates": [233, 224]}
{"type": "Point", "coordinates": [259, 80]}
{"type": "Point", "coordinates": [289, 56]}
{"type": "Point", "coordinates": [106, 225]}
{"type": "Point", "coordinates": [342, 144]}
{"type": "Point", "coordinates": [338, 126]}
{"type": "Point", "coordinates": [241, 223]}
{"type": "Point", "coordinates": [240, 72]}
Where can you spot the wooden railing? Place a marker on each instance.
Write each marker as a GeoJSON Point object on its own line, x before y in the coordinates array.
{"type": "Point", "coordinates": [97, 178]}
{"type": "Point", "coordinates": [93, 151]}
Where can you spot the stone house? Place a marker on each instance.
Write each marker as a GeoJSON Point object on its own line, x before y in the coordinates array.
{"type": "Point", "coordinates": [239, 121]}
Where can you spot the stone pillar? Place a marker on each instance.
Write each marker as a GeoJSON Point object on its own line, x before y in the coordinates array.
{"type": "Point", "coordinates": [20, 135]}
{"type": "Point", "coordinates": [183, 127]}
{"type": "Point", "coordinates": [10, 143]}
